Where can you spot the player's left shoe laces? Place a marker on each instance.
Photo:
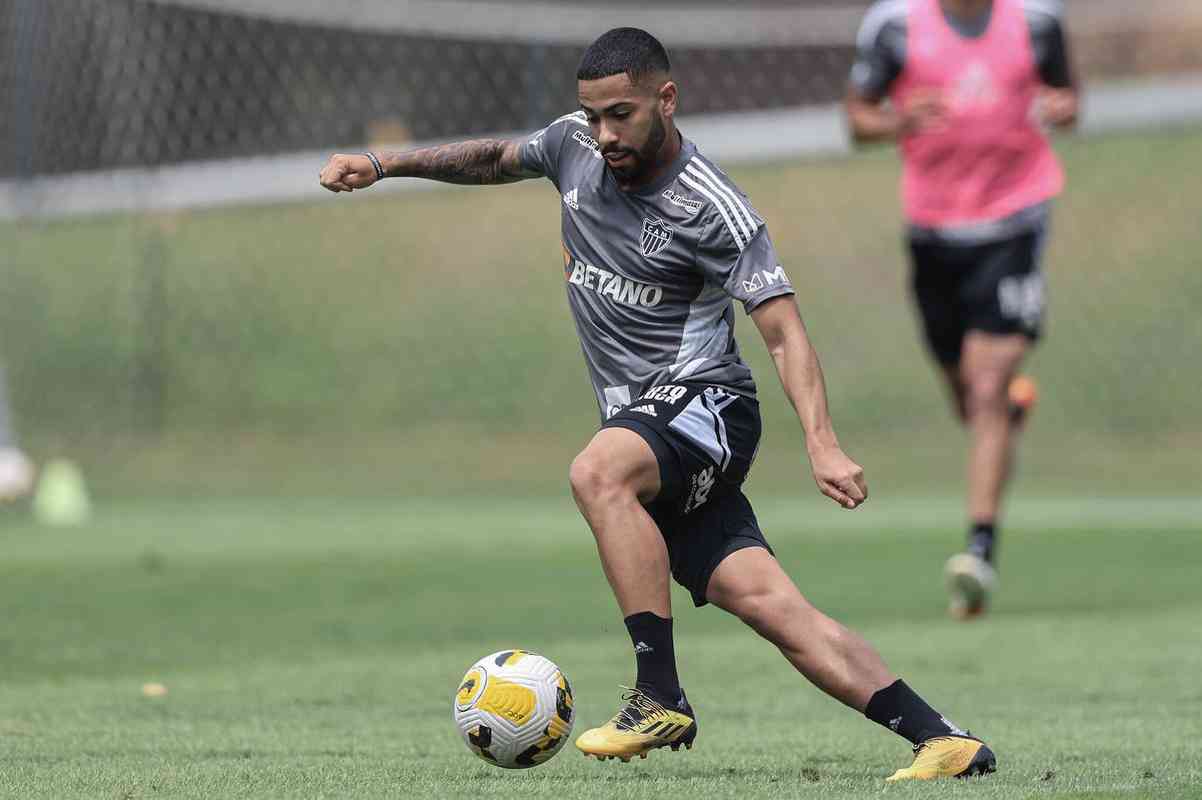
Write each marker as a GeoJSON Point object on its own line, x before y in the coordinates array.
{"type": "Point", "coordinates": [948, 757]}
{"type": "Point", "coordinates": [640, 726]}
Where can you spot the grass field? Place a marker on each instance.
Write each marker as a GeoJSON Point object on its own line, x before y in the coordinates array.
{"type": "Point", "coordinates": [284, 349]}
{"type": "Point", "coordinates": [348, 399]}
{"type": "Point", "coordinates": [311, 650]}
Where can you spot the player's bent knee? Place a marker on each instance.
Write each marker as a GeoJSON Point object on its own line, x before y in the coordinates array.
{"type": "Point", "coordinates": [618, 465]}
{"type": "Point", "coordinates": [595, 478]}
{"type": "Point", "coordinates": [584, 476]}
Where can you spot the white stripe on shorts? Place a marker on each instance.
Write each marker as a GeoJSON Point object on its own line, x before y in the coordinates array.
{"type": "Point", "coordinates": [701, 423]}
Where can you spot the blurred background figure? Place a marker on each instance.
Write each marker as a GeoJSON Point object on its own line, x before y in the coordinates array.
{"type": "Point", "coordinates": [16, 470]}
{"type": "Point", "coordinates": [963, 87]}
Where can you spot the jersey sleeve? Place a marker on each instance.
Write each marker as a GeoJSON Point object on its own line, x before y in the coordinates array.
{"type": "Point", "coordinates": [880, 50]}
{"type": "Point", "coordinates": [540, 151]}
{"type": "Point", "coordinates": [737, 254]}
{"type": "Point", "coordinates": [1049, 43]}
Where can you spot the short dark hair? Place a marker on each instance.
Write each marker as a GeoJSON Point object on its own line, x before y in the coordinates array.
{"type": "Point", "coordinates": [623, 50]}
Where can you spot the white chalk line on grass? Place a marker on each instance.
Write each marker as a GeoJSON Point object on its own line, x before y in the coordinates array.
{"type": "Point", "coordinates": [425, 527]}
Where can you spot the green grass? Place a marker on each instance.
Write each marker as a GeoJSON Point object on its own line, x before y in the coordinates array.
{"type": "Point", "coordinates": [277, 349]}
{"type": "Point", "coordinates": [311, 649]}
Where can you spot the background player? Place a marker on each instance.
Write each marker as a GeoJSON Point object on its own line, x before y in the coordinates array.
{"type": "Point", "coordinates": [657, 241]}
{"type": "Point", "coordinates": [969, 82]}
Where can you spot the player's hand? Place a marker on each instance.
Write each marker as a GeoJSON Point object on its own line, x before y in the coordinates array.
{"type": "Point", "coordinates": [925, 111]}
{"type": "Point", "coordinates": [837, 476]}
{"type": "Point", "coordinates": [1056, 107]}
{"type": "Point", "coordinates": [346, 173]}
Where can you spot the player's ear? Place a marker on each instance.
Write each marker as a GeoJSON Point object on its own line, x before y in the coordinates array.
{"type": "Point", "coordinates": [667, 98]}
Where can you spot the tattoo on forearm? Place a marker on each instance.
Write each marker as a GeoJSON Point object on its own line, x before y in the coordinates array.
{"type": "Point", "coordinates": [481, 161]}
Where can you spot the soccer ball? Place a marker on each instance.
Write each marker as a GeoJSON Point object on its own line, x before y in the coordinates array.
{"type": "Point", "coordinates": [514, 709]}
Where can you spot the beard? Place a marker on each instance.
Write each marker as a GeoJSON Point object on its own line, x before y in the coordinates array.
{"type": "Point", "coordinates": [642, 159]}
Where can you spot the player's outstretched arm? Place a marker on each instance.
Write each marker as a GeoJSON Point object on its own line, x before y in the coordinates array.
{"type": "Point", "coordinates": [837, 476]}
{"type": "Point", "coordinates": [475, 162]}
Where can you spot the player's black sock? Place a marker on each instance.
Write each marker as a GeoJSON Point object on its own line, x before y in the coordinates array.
{"type": "Point", "coordinates": [981, 538]}
{"type": "Point", "coordinates": [651, 636]}
{"type": "Point", "coordinates": [906, 714]}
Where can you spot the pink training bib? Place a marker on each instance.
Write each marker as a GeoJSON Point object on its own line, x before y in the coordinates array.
{"type": "Point", "coordinates": [991, 159]}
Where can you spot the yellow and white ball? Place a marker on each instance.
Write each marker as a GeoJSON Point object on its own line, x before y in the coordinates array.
{"type": "Point", "coordinates": [514, 709]}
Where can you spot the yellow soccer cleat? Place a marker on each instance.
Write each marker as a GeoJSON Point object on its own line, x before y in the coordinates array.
{"type": "Point", "coordinates": [640, 726]}
{"type": "Point", "coordinates": [948, 757]}
{"type": "Point", "coordinates": [1023, 394]}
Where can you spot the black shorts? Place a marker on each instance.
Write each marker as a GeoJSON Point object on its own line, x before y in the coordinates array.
{"type": "Point", "coordinates": [704, 438]}
{"type": "Point", "coordinates": [996, 287]}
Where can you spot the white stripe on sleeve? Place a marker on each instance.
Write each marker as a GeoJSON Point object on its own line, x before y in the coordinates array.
{"type": "Point", "coordinates": [734, 231]}
{"type": "Point", "coordinates": [736, 202]}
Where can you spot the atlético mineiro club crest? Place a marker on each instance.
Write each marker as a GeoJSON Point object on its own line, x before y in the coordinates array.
{"type": "Point", "coordinates": [656, 235]}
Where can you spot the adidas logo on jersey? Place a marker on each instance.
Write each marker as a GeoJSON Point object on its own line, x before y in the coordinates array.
{"type": "Point", "coordinates": [648, 409]}
{"type": "Point", "coordinates": [643, 647]}
{"type": "Point", "coordinates": [572, 199]}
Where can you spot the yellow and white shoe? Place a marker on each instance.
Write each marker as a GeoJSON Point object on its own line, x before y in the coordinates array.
{"type": "Point", "coordinates": [640, 726]}
{"type": "Point", "coordinates": [970, 580]}
{"type": "Point", "coordinates": [948, 757]}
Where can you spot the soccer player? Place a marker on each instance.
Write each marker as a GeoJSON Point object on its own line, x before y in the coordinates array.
{"type": "Point", "coordinates": [969, 83]}
{"type": "Point", "coordinates": [657, 242]}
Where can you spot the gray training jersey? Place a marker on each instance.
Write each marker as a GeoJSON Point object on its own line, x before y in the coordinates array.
{"type": "Point", "coordinates": [651, 274]}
